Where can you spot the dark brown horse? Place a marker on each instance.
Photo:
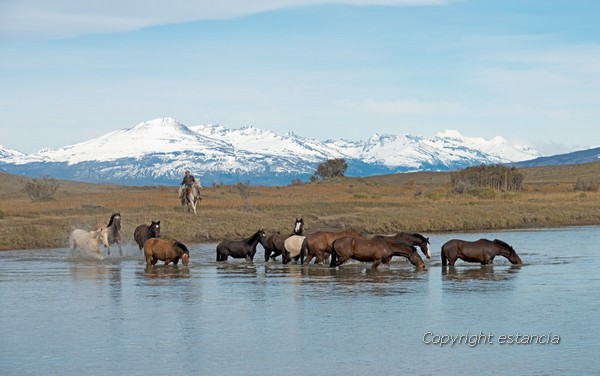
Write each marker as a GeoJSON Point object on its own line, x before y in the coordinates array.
{"type": "Point", "coordinates": [482, 251]}
{"type": "Point", "coordinates": [320, 242]}
{"type": "Point", "coordinates": [275, 243]}
{"type": "Point", "coordinates": [245, 248]}
{"type": "Point", "coordinates": [114, 235]}
{"type": "Point", "coordinates": [375, 250]}
{"type": "Point", "coordinates": [165, 250]}
{"type": "Point", "coordinates": [145, 232]}
{"type": "Point", "coordinates": [411, 238]}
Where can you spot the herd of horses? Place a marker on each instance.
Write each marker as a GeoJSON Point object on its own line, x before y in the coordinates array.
{"type": "Point", "coordinates": [339, 246]}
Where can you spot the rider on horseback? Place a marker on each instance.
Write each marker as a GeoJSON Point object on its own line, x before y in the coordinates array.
{"type": "Point", "coordinates": [187, 183]}
{"type": "Point", "coordinates": [188, 180]}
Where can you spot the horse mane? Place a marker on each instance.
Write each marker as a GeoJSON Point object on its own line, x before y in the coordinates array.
{"type": "Point", "coordinates": [251, 239]}
{"type": "Point", "coordinates": [182, 246]}
{"type": "Point", "coordinates": [502, 243]}
{"type": "Point", "coordinates": [417, 235]}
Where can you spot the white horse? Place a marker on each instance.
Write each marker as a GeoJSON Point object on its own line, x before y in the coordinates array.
{"type": "Point", "coordinates": [89, 240]}
{"type": "Point", "coordinates": [293, 247]}
{"type": "Point", "coordinates": [190, 197]}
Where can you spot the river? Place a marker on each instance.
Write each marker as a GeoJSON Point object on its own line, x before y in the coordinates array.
{"type": "Point", "coordinates": [67, 315]}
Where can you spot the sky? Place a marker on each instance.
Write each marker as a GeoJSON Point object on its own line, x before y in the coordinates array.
{"type": "Point", "coordinates": [526, 70]}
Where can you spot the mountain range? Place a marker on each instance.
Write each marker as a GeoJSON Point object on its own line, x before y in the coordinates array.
{"type": "Point", "coordinates": [158, 151]}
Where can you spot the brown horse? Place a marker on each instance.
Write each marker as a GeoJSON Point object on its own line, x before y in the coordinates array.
{"type": "Point", "coordinates": [482, 251]}
{"type": "Point", "coordinates": [165, 250]}
{"type": "Point", "coordinates": [375, 250]}
{"type": "Point", "coordinates": [411, 238]}
{"type": "Point", "coordinates": [320, 242]}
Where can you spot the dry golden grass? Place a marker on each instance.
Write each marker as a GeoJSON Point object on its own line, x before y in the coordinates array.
{"type": "Point", "coordinates": [384, 204]}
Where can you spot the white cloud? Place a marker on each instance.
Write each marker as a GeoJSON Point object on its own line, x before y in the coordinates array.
{"type": "Point", "coordinates": [48, 19]}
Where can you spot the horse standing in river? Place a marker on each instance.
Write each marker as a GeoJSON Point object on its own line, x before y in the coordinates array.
{"type": "Point", "coordinates": [88, 241]}
{"type": "Point", "coordinates": [376, 250]}
{"type": "Point", "coordinates": [145, 232]}
{"type": "Point", "coordinates": [411, 238]}
{"type": "Point", "coordinates": [189, 196]}
{"type": "Point", "coordinates": [275, 244]}
{"type": "Point", "coordinates": [245, 248]}
{"type": "Point", "coordinates": [319, 243]}
{"type": "Point", "coordinates": [482, 251]}
{"type": "Point", "coordinates": [113, 228]}
{"type": "Point", "coordinates": [165, 250]}
{"type": "Point", "coordinates": [293, 249]}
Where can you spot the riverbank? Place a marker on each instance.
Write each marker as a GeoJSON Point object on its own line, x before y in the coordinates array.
{"type": "Point", "coordinates": [421, 202]}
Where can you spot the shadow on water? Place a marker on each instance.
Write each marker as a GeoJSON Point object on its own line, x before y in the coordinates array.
{"type": "Point", "coordinates": [478, 278]}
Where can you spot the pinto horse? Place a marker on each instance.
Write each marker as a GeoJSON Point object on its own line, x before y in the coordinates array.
{"type": "Point", "coordinates": [189, 196]}
{"type": "Point", "coordinates": [375, 250]}
{"type": "Point", "coordinates": [293, 249]}
{"type": "Point", "coordinates": [482, 251]}
{"type": "Point", "coordinates": [114, 236]}
{"type": "Point", "coordinates": [245, 248]}
{"type": "Point", "coordinates": [320, 242]}
{"type": "Point", "coordinates": [145, 232]}
{"type": "Point", "coordinates": [275, 243]}
{"type": "Point", "coordinates": [412, 239]}
{"type": "Point", "coordinates": [165, 250]}
{"type": "Point", "coordinates": [88, 240]}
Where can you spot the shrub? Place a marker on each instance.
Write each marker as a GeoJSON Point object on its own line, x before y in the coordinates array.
{"type": "Point", "coordinates": [585, 185]}
{"type": "Point", "coordinates": [41, 189]}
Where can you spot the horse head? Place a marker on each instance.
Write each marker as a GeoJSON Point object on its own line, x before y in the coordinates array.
{"type": "Point", "coordinates": [102, 234]}
{"type": "Point", "coordinates": [115, 220]}
{"type": "Point", "coordinates": [424, 245]}
{"type": "Point", "coordinates": [508, 252]}
{"type": "Point", "coordinates": [262, 237]}
{"type": "Point", "coordinates": [299, 226]}
{"type": "Point", "coordinates": [154, 229]}
{"type": "Point", "coordinates": [415, 259]}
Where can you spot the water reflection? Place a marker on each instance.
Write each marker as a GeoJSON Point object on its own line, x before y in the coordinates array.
{"type": "Point", "coordinates": [480, 278]}
{"type": "Point", "coordinates": [163, 272]}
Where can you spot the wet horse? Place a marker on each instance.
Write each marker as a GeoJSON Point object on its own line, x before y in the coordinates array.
{"type": "Point", "coordinates": [275, 243]}
{"type": "Point", "coordinates": [114, 236]}
{"type": "Point", "coordinates": [165, 250]}
{"type": "Point", "coordinates": [189, 196]}
{"type": "Point", "coordinates": [376, 250]}
{"type": "Point", "coordinates": [145, 232]}
{"type": "Point", "coordinates": [482, 251]}
{"type": "Point", "coordinates": [245, 248]}
{"type": "Point", "coordinates": [412, 239]}
{"type": "Point", "coordinates": [88, 240]}
{"type": "Point", "coordinates": [319, 243]}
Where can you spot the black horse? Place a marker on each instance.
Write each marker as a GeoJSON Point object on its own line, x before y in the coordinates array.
{"type": "Point", "coordinates": [275, 243]}
{"type": "Point", "coordinates": [145, 232]}
{"type": "Point", "coordinates": [482, 251]}
{"type": "Point", "coordinates": [245, 248]}
{"type": "Point", "coordinates": [114, 236]}
{"type": "Point", "coordinates": [411, 238]}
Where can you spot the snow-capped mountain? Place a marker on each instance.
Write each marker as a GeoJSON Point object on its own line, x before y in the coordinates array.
{"type": "Point", "coordinates": [159, 150]}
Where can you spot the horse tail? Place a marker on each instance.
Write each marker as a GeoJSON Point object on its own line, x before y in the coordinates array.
{"type": "Point", "coordinates": [334, 255]}
{"type": "Point", "coordinates": [444, 259]}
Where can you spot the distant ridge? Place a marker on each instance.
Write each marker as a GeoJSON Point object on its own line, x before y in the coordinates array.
{"type": "Point", "coordinates": [576, 157]}
{"type": "Point", "coordinates": [157, 151]}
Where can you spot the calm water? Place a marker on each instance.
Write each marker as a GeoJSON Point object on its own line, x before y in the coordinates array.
{"type": "Point", "coordinates": [76, 316]}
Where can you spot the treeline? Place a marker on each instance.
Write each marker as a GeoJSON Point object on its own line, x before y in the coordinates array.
{"type": "Point", "coordinates": [497, 177]}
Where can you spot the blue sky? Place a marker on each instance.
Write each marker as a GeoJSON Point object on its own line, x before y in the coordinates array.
{"type": "Point", "coordinates": [528, 71]}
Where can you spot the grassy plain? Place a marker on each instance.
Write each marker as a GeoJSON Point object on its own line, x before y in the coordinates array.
{"type": "Point", "coordinates": [421, 202]}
